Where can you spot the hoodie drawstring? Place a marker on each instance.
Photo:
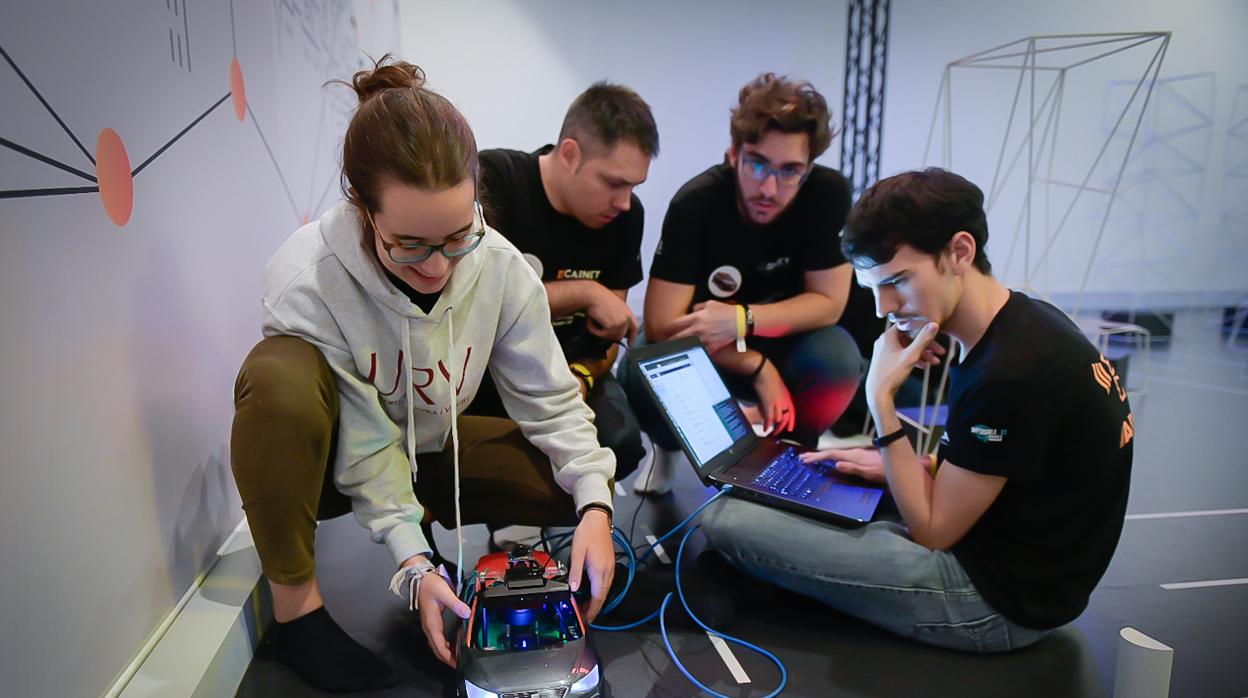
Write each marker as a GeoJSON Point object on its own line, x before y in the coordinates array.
{"type": "Point", "coordinates": [411, 435]}
{"type": "Point", "coordinates": [411, 426]}
{"type": "Point", "coordinates": [459, 528]}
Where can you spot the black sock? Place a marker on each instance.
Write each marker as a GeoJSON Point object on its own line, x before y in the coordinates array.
{"type": "Point", "coordinates": [325, 656]}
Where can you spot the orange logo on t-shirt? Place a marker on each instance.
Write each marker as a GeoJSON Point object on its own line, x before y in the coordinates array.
{"type": "Point", "coordinates": [1105, 376]}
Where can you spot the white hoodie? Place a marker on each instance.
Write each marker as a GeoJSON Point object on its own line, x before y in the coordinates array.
{"type": "Point", "coordinates": [395, 365]}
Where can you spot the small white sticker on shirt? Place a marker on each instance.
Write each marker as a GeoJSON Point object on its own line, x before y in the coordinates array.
{"type": "Point", "coordinates": [724, 281]}
{"type": "Point", "coordinates": [534, 262]}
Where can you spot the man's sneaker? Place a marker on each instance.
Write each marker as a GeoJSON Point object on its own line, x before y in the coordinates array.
{"type": "Point", "coordinates": [655, 477]}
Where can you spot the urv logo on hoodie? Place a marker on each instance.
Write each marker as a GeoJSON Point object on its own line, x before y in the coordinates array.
{"type": "Point", "coordinates": [422, 377]}
{"type": "Point", "coordinates": [403, 375]}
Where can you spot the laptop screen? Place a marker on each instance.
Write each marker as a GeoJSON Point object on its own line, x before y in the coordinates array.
{"type": "Point", "coordinates": [705, 414]}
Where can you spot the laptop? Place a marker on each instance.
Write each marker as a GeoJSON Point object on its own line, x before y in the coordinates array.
{"type": "Point", "coordinates": [724, 450]}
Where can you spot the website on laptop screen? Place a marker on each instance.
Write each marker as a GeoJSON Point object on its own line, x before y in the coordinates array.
{"type": "Point", "coordinates": [698, 402]}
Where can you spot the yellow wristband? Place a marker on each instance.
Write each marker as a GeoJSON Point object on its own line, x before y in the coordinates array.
{"type": "Point", "coordinates": [584, 373]}
{"type": "Point", "coordinates": [741, 327]}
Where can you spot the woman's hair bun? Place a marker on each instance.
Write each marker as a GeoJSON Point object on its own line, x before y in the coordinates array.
{"type": "Point", "coordinates": [385, 74]}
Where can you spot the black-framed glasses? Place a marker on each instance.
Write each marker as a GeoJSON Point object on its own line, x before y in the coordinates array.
{"type": "Point", "coordinates": [759, 170]}
{"type": "Point", "coordinates": [401, 253]}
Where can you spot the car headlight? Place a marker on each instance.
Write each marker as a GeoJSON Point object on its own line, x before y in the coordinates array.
{"type": "Point", "coordinates": [475, 691]}
{"type": "Point", "coordinates": [587, 681]}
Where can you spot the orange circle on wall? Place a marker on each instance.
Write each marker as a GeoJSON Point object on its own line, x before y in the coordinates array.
{"type": "Point", "coordinates": [112, 172]}
{"type": "Point", "coordinates": [238, 91]}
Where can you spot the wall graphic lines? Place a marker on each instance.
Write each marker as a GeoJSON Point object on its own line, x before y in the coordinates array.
{"type": "Point", "coordinates": [330, 38]}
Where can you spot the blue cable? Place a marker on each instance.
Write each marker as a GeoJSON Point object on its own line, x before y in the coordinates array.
{"type": "Point", "coordinates": [629, 626]}
{"type": "Point", "coordinates": [626, 544]}
{"type": "Point", "coordinates": [661, 613]}
{"type": "Point", "coordinates": [632, 565]}
{"type": "Point", "coordinates": [650, 547]}
{"type": "Point", "coordinates": [632, 571]}
{"type": "Point", "coordinates": [784, 674]}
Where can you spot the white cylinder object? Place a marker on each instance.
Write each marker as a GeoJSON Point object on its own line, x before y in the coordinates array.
{"type": "Point", "coordinates": [1143, 666]}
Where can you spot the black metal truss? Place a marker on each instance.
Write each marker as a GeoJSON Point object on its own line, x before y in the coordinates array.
{"type": "Point", "coordinates": [866, 61]}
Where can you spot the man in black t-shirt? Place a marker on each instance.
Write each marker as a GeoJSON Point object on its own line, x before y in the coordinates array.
{"type": "Point", "coordinates": [1006, 538]}
{"type": "Point", "coordinates": [571, 210]}
{"type": "Point", "coordinates": [749, 263]}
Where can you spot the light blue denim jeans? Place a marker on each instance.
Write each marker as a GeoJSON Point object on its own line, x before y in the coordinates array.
{"type": "Point", "coordinates": [875, 573]}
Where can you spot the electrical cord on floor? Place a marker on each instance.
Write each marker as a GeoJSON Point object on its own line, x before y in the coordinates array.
{"type": "Point", "coordinates": [784, 674]}
{"type": "Point", "coordinates": [654, 454]}
{"type": "Point", "coordinates": [564, 540]}
{"type": "Point", "coordinates": [679, 593]}
{"type": "Point", "coordinates": [649, 547]}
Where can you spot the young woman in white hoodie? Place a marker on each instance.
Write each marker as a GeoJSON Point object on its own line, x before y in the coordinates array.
{"type": "Point", "coordinates": [381, 319]}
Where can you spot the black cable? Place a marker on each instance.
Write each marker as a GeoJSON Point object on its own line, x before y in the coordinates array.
{"type": "Point", "coordinates": [632, 526]}
{"type": "Point", "coordinates": [654, 453]}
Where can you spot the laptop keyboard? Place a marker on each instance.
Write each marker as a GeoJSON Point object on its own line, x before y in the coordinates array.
{"type": "Point", "coordinates": [787, 475]}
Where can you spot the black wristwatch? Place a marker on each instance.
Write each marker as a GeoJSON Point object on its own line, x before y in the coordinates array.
{"type": "Point", "coordinates": [882, 441]}
{"type": "Point", "coordinates": [749, 321]}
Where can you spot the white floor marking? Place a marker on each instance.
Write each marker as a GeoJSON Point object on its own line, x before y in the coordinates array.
{"type": "Point", "coordinates": [619, 490]}
{"type": "Point", "coordinates": [1185, 514]}
{"type": "Point", "coordinates": [658, 549]}
{"type": "Point", "coordinates": [1207, 583]}
{"type": "Point", "coordinates": [730, 659]}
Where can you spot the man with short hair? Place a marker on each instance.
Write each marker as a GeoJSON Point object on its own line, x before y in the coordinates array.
{"type": "Point", "coordinates": [749, 263]}
{"type": "Point", "coordinates": [1006, 539]}
{"type": "Point", "coordinates": [570, 208]}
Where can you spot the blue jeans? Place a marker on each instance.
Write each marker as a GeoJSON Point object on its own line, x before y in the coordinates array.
{"type": "Point", "coordinates": [875, 573]}
{"type": "Point", "coordinates": [821, 369]}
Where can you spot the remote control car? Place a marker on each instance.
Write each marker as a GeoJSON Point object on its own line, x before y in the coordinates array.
{"type": "Point", "coordinates": [525, 637]}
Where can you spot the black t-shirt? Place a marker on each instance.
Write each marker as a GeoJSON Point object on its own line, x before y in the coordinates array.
{"type": "Point", "coordinates": [558, 246]}
{"type": "Point", "coordinates": [1036, 403]}
{"type": "Point", "coordinates": [707, 243]}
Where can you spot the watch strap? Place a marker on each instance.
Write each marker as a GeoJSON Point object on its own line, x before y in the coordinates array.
{"type": "Point", "coordinates": [882, 441]}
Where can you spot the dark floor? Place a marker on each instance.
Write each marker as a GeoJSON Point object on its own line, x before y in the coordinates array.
{"type": "Point", "coordinates": [1189, 457]}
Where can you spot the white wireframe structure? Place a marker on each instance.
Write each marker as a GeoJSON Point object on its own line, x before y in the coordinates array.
{"type": "Point", "coordinates": [1235, 216]}
{"type": "Point", "coordinates": [1035, 147]}
{"type": "Point", "coordinates": [1056, 55]}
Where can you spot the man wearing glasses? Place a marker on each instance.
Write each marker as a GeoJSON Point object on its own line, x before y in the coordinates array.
{"type": "Point", "coordinates": [749, 263]}
{"type": "Point", "coordinates": [570, 208]}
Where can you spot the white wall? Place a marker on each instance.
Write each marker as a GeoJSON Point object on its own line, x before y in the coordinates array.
{"type": "Point", "coordinates": [514, 66]}
{"type": "Point", "coordinates": [1174, 228]}
{"type": "Point", "coordinates": [120, 343]}
{"type": "Point", "coordinates": [1177, 226]}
